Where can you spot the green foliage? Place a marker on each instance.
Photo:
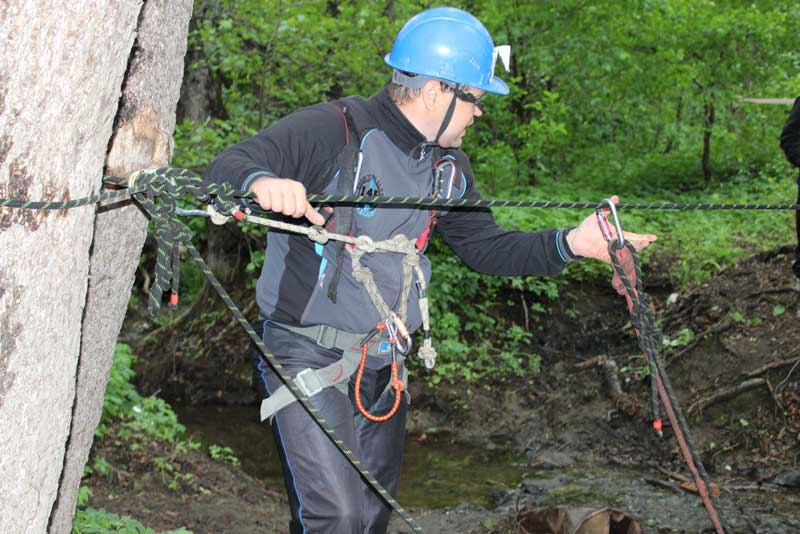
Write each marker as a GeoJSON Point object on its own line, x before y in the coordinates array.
{"type": "Point", "coordinates": [140, 425]}
{"type": "Point", "coordinates": [683, 338]}
{"type": "Point", "coordinates": [223, 454]}
{"type": "Point", "coordinates": [91, 521]}
{"type": "Point", "coordinates": [471, 329]}
{"type": "Point", "coordinates": [136, 418]}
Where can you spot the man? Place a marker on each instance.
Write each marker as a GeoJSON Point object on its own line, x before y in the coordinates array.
{"type": "Point", "coordinates": [402, 141]}
{"type": "Point", "coordinates": [790, 143]}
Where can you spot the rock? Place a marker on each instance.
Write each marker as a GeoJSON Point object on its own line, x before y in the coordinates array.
{"type": "Point", "coordinates": [790, 479]}
{"type": "Point", "coordinates": [542, 486]}
{"type": "Point", "coordinates": [553, 460]}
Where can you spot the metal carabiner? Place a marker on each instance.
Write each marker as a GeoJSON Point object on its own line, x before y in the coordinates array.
{"type": "Point", "coordinates": [399, 331]}
{"type": "Point", "coordinates": [603, 222]}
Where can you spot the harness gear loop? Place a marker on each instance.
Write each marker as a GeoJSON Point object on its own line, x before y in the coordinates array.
{"type": "Point", "coordinates": [396, 383]}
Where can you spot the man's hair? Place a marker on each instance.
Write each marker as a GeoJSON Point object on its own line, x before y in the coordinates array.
{"type": "Point", "coordinates": [400, 94]}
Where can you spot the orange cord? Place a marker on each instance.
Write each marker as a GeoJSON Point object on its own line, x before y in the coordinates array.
{"type": "Point", "coordinates": [397, 384]}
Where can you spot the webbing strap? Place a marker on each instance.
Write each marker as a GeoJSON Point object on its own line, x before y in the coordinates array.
{"type": "Point", "coordinates": [312, 381]}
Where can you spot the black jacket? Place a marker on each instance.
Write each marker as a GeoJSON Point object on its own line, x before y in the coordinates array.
{"type": "Point", "coordinates": [790, 136]}
{"type": "Point", "coordinates": [304, 146]}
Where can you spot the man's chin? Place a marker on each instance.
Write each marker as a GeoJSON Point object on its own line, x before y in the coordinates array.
{"type": "Point", "coordinates": [451, 143]}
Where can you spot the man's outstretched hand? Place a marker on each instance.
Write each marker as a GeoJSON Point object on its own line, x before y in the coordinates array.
{"type": "Point", "coordinates": [587, 240]}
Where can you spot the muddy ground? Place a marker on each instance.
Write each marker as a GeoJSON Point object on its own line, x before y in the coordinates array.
{"type": "Point", "coordinates": [583, 444]}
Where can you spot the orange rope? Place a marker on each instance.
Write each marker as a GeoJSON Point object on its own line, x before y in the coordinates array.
{"type": "Point", "coordinates": [397, 384]}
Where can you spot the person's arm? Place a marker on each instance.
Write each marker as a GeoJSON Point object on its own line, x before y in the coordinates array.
{"type": "Point", "coordinates": [790, 136]}
{"type": "Point", "coordinates": [477, 239]}
{"type": "Point", "coordinates": [482, 245]}
{"type": "Point", "coordinates": [282, 162]}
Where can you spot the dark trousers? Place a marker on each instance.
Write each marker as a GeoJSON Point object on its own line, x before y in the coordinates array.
{"type": "Point", "coordinates": [326, 493]}
{"type": "Point", "coordinates": [796, 264]}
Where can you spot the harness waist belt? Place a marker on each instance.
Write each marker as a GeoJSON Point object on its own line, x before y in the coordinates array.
{"type": "Point", "coordinates": [328, 337]}
{"type": "Point", "coordinates": [312, 381]}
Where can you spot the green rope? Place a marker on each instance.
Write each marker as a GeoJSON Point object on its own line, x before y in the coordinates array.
{"type": "Point", "coordinates": [490, 203]}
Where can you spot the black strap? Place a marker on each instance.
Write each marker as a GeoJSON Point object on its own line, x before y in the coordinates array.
{"type": "Point", "coordinates": [446, 120]}
{"type": "Point", "coordinates": [358, 121]}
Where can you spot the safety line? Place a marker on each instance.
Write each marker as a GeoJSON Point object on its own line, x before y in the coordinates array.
{"type": "Point", "coordinates": [451, 203]}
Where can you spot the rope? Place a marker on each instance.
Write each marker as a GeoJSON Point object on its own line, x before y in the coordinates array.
{"type": "Point", "coordinates": [224, 190]}
{"type": "Point", "coordinates": [157, 190]}
{"type": "Point", "coordinates": [453, 203]}
{"type": "Point", "coordinates": [626, 266]}
{"type": "Point", "coordinates": [396, 382]}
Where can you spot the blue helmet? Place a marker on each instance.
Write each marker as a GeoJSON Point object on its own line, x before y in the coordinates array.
{"type": "Point", "coordinates": [451, 45]}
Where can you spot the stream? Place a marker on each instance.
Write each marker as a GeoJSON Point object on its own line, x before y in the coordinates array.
{"type": "Point", "coordinates": [439, 474]}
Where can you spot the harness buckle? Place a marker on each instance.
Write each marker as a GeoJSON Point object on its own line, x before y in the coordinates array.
{"type": "Point", "coordinates": [326, 337]}
{"type": "Point", "coordinates": [308, 382]}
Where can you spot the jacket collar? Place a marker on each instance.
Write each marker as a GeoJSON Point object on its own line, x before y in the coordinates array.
{"type": "Point", "coordinates": [396, 126]}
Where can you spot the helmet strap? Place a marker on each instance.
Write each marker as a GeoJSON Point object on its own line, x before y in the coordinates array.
{"type": "Point", "coordinates": [446, 120]}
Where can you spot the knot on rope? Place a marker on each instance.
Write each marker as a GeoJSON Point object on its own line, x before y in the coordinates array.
{"type": "Point", "coordinates": [163, 187]}
{"type": "Point", "coordinates": [318, 234]}
{"type": "Point", "coordinates": [427, 353]}
{"type": "Point", "coordinates": [365, 243]}
{"type": "Point", "coordinates": [411, 258]}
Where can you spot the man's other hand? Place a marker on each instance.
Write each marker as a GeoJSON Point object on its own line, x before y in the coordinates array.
{"type": "Point", "coordinates": [285, 196]}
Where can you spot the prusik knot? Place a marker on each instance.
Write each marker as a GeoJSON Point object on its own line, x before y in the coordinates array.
{"type": "Point", "coordinates": [411, 258]}
{"type": "Point", "coordinates": [318, 234]}
{"type": "Point", "coordinates": [365, 243]}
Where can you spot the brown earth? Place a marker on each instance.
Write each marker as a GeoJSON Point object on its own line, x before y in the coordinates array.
{"type": "Point", "coordinates": [743, 320]}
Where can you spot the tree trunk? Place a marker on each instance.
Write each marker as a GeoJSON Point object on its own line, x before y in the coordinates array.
{"type": "Point", "coordinates": [142, 139]}
{"type": "Point", "coordinates": [678, 114]}
{"type": "Point", "coordinates": [61, 71]}
{"type": "Point", "coordinates": [710, 117]}
{"type": "Point", "coordinates": [201, 92]}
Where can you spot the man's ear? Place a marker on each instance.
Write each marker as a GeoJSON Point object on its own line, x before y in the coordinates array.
{"type": "Point", "coordinates": [431, 94]}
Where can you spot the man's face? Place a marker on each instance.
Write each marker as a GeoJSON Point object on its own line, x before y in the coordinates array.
{"type": "Point", "coordinates": [463, 116]}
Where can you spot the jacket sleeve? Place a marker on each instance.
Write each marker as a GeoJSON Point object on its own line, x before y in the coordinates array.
{"type": "Point", "coordinates": [478, 240]}
{"type": "Point", "coordinates": [301, 146]}
{"type": "Point", "coordinates": [790, 136]}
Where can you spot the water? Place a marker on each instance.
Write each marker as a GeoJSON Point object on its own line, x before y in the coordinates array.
{"type": "Point", "coordinates": [436, 472]}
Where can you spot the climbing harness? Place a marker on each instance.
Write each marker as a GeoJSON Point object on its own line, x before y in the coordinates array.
{"type": "Point", "coordinates": [158, 189]}
{"type": "Point", "coordinates": [312, 381]}
{"type": "Point", "coordinates": [627, 281]}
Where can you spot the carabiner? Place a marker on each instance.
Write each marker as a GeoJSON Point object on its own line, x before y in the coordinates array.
{"type": "Point", "coordinates": [398, 330]}
{"type": "Point", "coordinates": [603, 222]}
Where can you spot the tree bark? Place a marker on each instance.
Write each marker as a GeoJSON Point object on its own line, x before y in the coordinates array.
{"type": "Point", "coordinates": [60, 75]}
{"type": "Point", "coordinates": [142, 139]}
{"type": "Point", "coordinates": [61, 71]}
